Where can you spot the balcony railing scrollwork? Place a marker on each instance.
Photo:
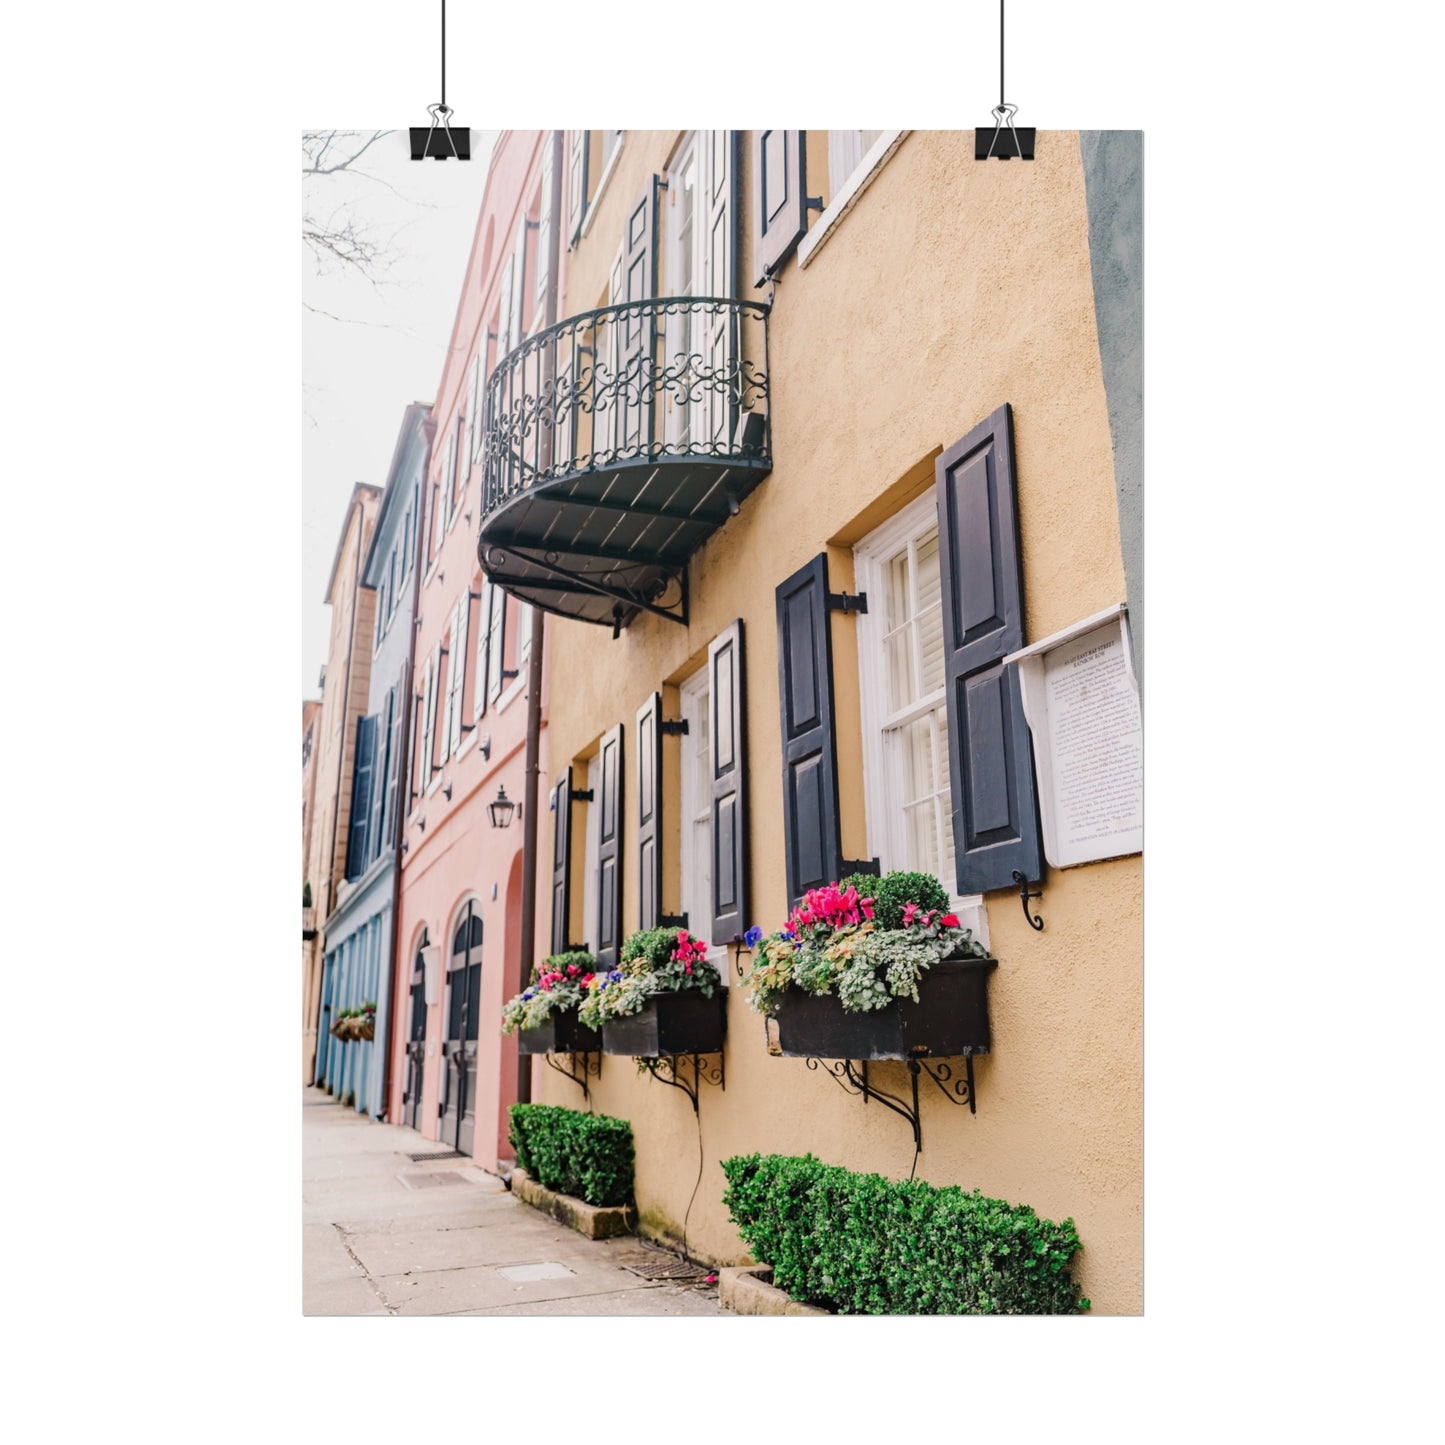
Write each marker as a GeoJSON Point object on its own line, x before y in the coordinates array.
{"type": "Point", "coordinates": [614, 444]}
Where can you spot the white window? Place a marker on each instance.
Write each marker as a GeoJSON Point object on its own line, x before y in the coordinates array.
{"type": "Point", "coordinates": [544, 234]}
{"type": "Point", "coordinates": [479, 670]}
{"type": "Point", "coordinates": [456, 675]}
{"type": "Point", "coordinates": [428, 721]}
{"type": "Point", "coordinates": [846, 149]}
{"type": "Point", "coordinates": [496, 644]}
{"type": "Point", "coordinates": [697, 173]}
{"type": "Point", "coordinates": [907, 796]}
{"type": "Point", "coordinates": [473, 434]}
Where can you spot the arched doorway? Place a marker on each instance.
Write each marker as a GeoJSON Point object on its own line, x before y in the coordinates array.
{"type": "Point", "coordinates": [416, 1037]}
{"type": "Point", "coordinates": [463, 1014]}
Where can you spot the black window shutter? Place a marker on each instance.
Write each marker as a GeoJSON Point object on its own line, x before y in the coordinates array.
{"type": "Point", "coordinates": [561, 863]}
{"type": "Point", "coordinates": [810, 761]}
{"type": "Point", "coordinates": [995, 805]}
{"type": "Point", "coordinates": [609, 850]}
{"type": "Point", "coordinates": [649, 812]}
{"type": "Point", "coordinates": [780, 199]}
{"type": "Point", "coordinates": [729, 767]}
{"type": "Point", "coordinates": [360, 797]}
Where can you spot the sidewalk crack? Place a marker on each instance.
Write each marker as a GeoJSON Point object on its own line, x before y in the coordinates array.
{"type": "Point", "coordinates": [390, 1308]}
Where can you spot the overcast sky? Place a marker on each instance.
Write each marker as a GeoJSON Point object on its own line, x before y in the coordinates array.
{"type": "Point", "coordinates": [361, 371]}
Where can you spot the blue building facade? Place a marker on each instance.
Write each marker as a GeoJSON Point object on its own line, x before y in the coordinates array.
{"type": "Point", "coordinates": [359, 933]}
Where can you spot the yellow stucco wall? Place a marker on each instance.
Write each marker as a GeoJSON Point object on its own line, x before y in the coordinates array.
{"type": "Point", "coordinates": [950, 288]}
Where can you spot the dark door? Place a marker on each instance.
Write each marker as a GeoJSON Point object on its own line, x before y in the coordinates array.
{"type": "Point", "coordinates": [415, 1041]}
{"type": "Point", "coordinates": [459, 1052]}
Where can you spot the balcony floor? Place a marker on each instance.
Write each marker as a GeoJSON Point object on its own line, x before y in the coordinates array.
{"type": "Point", "coordinates": [604, 544]}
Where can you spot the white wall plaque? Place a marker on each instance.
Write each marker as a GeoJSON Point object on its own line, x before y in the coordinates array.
{"type": "Point", "coordinates": [1081, 701]}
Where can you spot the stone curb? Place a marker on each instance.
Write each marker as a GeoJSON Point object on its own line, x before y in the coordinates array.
{"type": "Point", "coordinates": [748, 1289]}
{"type": "Point", "coordinates": [593, 1220]}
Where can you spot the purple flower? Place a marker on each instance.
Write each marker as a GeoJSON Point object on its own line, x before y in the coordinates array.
{"type": "Point", "coordinates": [751, 937]}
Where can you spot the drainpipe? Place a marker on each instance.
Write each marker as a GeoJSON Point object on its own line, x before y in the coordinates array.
{"type": "Point", "coordinates": [532, 769]}
{"type": "Point", "coordinates": [340, 771]}
{"type": "Point", "coordinates": [403, 780]}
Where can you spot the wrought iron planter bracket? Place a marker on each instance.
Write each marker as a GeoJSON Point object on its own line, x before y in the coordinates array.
{"type": "Point", "coordinates": [1035, 922]}
{"type": "Point", "coordinates": [854, 1080]}
{"type": "Point", "coordinates": [860, 865]}
{"type": "Point", "coordinates": [591, 1066]}
{"type": "Point", "coordinates": [672, 920]}
{"type": "Point", "coordinates": [664, 1069]}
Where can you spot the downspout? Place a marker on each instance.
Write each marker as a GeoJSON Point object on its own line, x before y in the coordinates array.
{"type": "Point", "coordinates": [532, 770]}
{"type": "Point", "coordinates": [403, 780]}
{"type": "Point", "coordinates": [340, 772]}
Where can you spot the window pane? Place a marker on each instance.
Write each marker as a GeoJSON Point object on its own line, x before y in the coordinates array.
{"type": "Point", "coordinates": [919, 776]}
{"type": "Point", "coordinates": [930, 615]}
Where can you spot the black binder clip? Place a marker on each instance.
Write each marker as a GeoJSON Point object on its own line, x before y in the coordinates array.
{"type": "Point", "coordinates": [440, 141]}
{"type": "Point", "coordinates": [1004, 147]}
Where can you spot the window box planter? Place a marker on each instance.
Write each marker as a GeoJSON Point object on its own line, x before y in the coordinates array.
{"type": "Point", "coordinates": [670, 1023]}
{"type": "Point", "coordinates": [563, 1033]}
{"type": "Point", "coordinates": [950, 1019]}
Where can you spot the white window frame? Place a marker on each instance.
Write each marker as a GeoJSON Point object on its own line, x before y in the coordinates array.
{"type": "Point", "coordinates": [590, 207]}
{"type": "Point", "coordinates": [693, 799]}
{"type": "Point", "coordinates": [870, 557]}
{"type": "Point", "coordinates": [846, 197]}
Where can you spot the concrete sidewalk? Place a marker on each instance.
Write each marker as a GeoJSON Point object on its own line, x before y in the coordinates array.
{"type": "Point", "coordinates": [383, 1235]}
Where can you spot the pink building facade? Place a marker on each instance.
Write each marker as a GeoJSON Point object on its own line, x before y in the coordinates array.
{"type": "Point", "coordinates": [459, 939]}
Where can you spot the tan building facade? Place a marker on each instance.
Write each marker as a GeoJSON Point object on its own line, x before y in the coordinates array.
{"type": "Point", "coordinates": [937, 340]}
{"type": "Point", "coordinates": [343, 701]}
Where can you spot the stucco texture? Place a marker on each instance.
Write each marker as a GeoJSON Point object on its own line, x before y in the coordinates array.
{"type": "Point", "coordinates": [950, 288]}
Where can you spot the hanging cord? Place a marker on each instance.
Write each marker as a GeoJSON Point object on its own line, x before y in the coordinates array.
{"type": "Point", "coordinates": [688, 1214]}
{"type": "Point", "coordinates": [1001, 91]}
{"type": "Point", "coordinates": [1003, 112]}
{"type": "Point", "coordinates": [444, 54]}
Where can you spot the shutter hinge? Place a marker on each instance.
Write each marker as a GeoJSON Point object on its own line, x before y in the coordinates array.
{"type": "Point", "coordinates": [843, 602]}
{"type": "Point", "coordinates": [814, 203]}
{"type": "Point", "coordinates": [509, 672]}
{"type": "Point", "coordinates": [580, 795]}
{"type": "Point", "coordinates": [672, 920]}
{"type": "Point", "coordinates": [674, 729]}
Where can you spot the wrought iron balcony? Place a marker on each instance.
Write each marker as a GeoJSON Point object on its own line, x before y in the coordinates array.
{"type": "Point", "coordinates": [616, 444]}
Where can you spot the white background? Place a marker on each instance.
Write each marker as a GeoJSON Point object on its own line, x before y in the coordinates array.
{"type": "Point", "coordinates": [153, 400]}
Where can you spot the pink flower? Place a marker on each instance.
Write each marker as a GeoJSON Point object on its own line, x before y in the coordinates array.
{"type": "Point", "coordinates": [910, 911]}
{"type": "Point", "coordinates": [572, 970]}
{"type": "Point", "coordinates": [687, 968]}
{"type": "Point", "coordinates": [681, 937]}
{"type": "Point", "coordinates": [950, 920]}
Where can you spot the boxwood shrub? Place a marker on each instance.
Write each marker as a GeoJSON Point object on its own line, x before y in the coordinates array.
{"type": "Point", "coordinates": [862, 1244]}
{"type": "Point", "coordinates": [588, 1156]}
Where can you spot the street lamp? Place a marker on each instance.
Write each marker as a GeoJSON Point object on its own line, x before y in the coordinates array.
{"type": "Point", "coordinates": [502, 809]}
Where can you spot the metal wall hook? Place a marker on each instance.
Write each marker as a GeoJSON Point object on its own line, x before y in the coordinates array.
{"type": "Point", "coordinates": [1024, 896]}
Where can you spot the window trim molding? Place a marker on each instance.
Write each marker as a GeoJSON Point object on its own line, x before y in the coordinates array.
{"type": "Point", "coordinates": [845, 199]}
{"type": "Point", "coordinates": [869, 554]}
{"type": "Point", "coordinates": [589, 211]}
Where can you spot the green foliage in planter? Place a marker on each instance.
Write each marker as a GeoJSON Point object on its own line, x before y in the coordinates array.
{"type": "Point", "coordinates": [862, 1244]}
{"type": "Point", "coordinates": [588, 1156]}
{"type": "Point", "coordinates": [894, 891]}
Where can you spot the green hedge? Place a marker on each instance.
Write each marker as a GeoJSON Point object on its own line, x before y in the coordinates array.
{"type": "Point", "coordinates": [864, 1245]}
{"type": "Point", "coordinates": [588, 1156]}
